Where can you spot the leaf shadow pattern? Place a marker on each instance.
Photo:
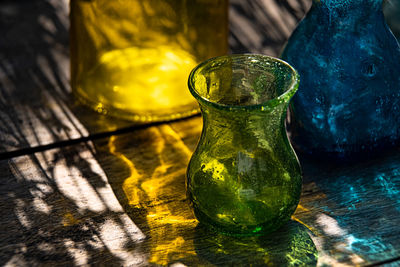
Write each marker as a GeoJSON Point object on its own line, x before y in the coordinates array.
{"type": "Point", "coordinates": [263, 26]}
{"type": "Point", "coordinates": [34, 90]}
{"type": "Point", "coordinates": [289, 246]}
{"type": "Point", "coordinates": [57, 206]}
{"type": "Point", "coordinates": [152, 192]}
{"type": "Point", "coordinates": [257, 26]}
{"type": "Point", "coordinates": [59, 209]}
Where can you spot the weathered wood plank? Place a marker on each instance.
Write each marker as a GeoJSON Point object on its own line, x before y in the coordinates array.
{"type": "Point", "coordinates": [263, 26]}
{"type": "Point", "coordinates": [57, 209]}
{"type": "Point", "coordinates": [340, 205]}
{"type": "Point", "coordinates": [122, 202]}
{"type": "Point", "coordinates": [36, 106]}
{"type": "Point", "coordinates": [355, 209]}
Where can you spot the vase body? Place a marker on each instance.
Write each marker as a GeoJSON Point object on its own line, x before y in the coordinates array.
{"type": "Point", "coordinates": [131, 58]}
{"type": "Point", "coordinates": [348, 102]}
{"type": "Point", "coordinates": [244, 177]}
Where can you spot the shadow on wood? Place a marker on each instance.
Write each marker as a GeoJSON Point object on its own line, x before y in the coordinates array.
{"type": "Point", "coordinates": [147, 170]}
{"type": "Point", "coordinates": [354, 210]}
{"type": "Point", "coordinates": [57, 208]}
{"type": "Point", "coordinates": [263, 26]}
{"type": "Point", "coordinates": [36, 106]}
{"type": "Point", "coordinates": [289, 246]}
{"type": "Point", "coordinates": [339, 204]}
{"type": "Point", "coordinates": [34, 90]}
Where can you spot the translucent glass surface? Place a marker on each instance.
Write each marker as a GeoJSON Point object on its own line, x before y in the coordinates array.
{"type": "Point", "coordinates": [131, 58]}
{"type": "Point", "coordinates": [348, 104]}
{"type": "Point", "coordinates": [244, 177]}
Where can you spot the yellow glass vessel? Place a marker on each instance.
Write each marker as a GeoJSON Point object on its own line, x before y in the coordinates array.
{"type": "Point", "coordinates": [131, 58]}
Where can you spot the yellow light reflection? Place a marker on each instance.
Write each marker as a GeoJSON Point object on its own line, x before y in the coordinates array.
{"type": "Point", "coordinates": [69, 219]}
{"type": "Point", "coordinates": [130, 185]}
{"type": "Point", "coordinates": [141, 188]}
{"type": "Point", "coordinates": [125, 78]}
{"type": "Point", "coordinates": [312, 229]}
{"type": "Point", "coordinates": [172, 231]}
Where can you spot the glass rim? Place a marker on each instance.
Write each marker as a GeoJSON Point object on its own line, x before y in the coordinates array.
{"type": "Point", "coordinates": [285, 96]}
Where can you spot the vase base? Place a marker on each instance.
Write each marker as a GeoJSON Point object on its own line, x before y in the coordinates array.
{"type": "Point", "coordinates": [240, 230]}
{"type": "Point", "coordinates": [139, 116]}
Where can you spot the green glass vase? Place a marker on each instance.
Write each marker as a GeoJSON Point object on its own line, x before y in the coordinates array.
{"type": "Point", "coordinates": [244, 177]}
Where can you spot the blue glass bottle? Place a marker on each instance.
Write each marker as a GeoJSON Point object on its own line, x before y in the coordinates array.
{"type": "Point", "coordinates": [348, 102]}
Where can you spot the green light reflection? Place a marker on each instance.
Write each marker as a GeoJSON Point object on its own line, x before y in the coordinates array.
{"type": "Point", "coordinates": [289, 246]}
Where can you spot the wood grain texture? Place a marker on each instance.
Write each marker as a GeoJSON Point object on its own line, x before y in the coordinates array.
{"type": "Point", "coordinates": [36, 106]}
{"type": "Point", "coordinates": [339, 206]}
{"type": "Point", "coordinates": [264, 26]}
{"type": "Point", "coordinates": [122, 202]}
{"type": "Point", "coordinates": [57, 209]}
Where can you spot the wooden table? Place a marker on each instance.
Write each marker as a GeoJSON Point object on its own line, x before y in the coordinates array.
{"type": "Point", "coordinates": [78, 188]}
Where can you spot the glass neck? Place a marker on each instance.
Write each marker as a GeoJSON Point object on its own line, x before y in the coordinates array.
{"type": "Point", "coordinates": [216, 117]}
